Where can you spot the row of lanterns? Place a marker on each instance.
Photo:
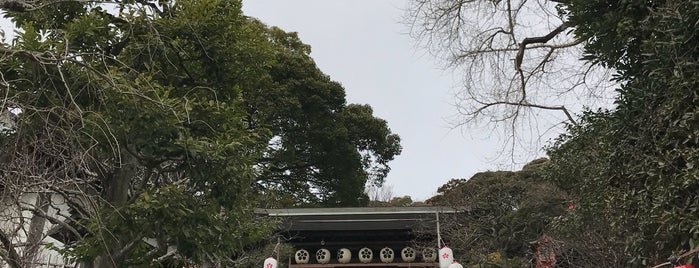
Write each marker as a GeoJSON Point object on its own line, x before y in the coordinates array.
{"type": "Point", "coordinates": [271, 262]}
{"type": "Point", "coordinates": [365, 255]}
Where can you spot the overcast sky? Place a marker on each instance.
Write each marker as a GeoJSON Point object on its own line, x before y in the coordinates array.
{"type": "Point", "coordinates": [364, 46]}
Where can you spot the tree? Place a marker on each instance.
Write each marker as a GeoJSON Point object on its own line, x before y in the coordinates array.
{"type": "Point", "coordinates": [585, 232]}
{"type": "Point", "coordinates": [380, 195]}
{"type": "Point", "coordinates": [630, 168]}
{"type": "Point", "coordinates": [505, 211]}
{"type": "Point", "coordinates": [322, 150]}
{"type": "Point", "coordinates": [634, 165]}
{"type": "Point", "coordinates": [519, 63]}
{"type": "Point", "coordinates": [135, 124]}
{"type": "Point", "coordinates": [160, 124]}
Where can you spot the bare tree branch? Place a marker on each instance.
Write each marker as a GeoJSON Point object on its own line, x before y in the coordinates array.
{"type": "Point", "coordinates": [40, 213]}
{"type": "Point", "coordinates": [530, 105]}
{"type": "Point", "coordinates": [13, 258]}
{"type": "Point", "coordinates": [509, 67]}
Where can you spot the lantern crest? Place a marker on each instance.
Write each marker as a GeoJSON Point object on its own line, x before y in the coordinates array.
{"type": "Point", "coordinates": [446, 257]}
{"type": "Point", "coordinates": [270, 262]}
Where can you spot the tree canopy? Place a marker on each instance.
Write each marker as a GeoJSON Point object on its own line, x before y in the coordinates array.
{"type": "Point", "coordinates": [634, 165]}
{"type": "Point", "coordinates": [505, 210]}
{"type": "Point", "coordinates": [149, 126]}
{"type": "Point", "coordinates": [630, 168]}
{"type": "Point", "coordinates": [317, 139]}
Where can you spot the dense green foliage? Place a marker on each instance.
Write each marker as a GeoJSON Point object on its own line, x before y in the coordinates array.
{"type": "Point", "coordinates": [161, 124]}
{"type": "Point", "coordinates": [505, 211]}
{"type": "Point", "coordinates": [317, 139]}
{"type": "Point", "coordinates": [633, 169]}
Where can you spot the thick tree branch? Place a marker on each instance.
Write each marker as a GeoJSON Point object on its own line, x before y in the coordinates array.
{"type": "Point", "coordinates": [41, 213]}
{"type": "Point", "coordinates": [533, 40]}
{"type": "Point", "coordinates": [68, 196]}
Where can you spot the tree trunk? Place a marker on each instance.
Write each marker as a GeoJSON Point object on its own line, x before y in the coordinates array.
{"type": "Point", "coordinates": [116, 189]}
{"type": "Point", "coordinates": [116, 185]}
{"type": "Point", "coordinates": [36, 229]}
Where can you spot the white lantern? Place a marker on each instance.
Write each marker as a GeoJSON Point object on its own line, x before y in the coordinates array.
{"type": "Point", "coordinates": [365, 255]}
{"type": "Point", "coordinates": [302, 256]}
{"type": "Point", "coordinates": [270, 263]}
{"type": "Point", "coordinates": [456, 264]}
{"type": "Point", "coordinates": [446, 257]}
{"type": "Point", "coordinates": [407, 254]}
{"type": "Point", "coordinates": [386, 255]}
{"type": "Point", "coordinates": [344, 255]}
{"type": "Point", "coordinates": [428, 255]}
{"type": "Point", "coordinates": [323, 256]}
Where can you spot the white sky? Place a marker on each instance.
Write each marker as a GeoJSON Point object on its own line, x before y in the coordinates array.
{"type": "Point", "coordinates": [362, 44]}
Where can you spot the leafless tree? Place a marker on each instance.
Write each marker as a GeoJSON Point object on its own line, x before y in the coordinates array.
{"type": "Point", "coordinates": [44, 185]}
{"type": "Point", "coordinates": [382, 193]}
{"type": "Point", "coordinates": [519, 61]}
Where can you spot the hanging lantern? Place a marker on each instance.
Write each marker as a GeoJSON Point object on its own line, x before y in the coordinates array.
{"type": "Point", "coordinates": [365, 255]}
{"type": "Point", "coordinates": [323, 256]}
{"type": "Point", "coordinates": [428, 255]}
{"type": "Point", "coordinates": [407, 254]}
{"type": "Point", "coordinates": [301, 256]}
{"type": "Point", "coordinates": [270, 262]}
{"type": "Point", "coordinates": [386, 255]}
{"type": "Point", "coordinates": [446, 257]}
{"type": "Point", "coordinates": [685, 266]}
{"type": "Point", "coordinates": [455, 264]}
{"type": "Point", "coordinates": [344, 255]}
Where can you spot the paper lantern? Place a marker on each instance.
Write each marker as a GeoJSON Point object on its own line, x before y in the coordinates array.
{"type": "Point", "coordinates": [407, 254]}
{"type": "Point", "coordinates": [455, 264]}
{"type": "Point", "coordinates": [344, 255]}
{"type": "Point", "coordinates": [323, 256]}
{"type": "Point", "coordinates": [301, 256]}
{"type": "Point", "coordinates": [365, 255]}
{"type": "Point", "coordinates": [270, 263]}
{"type": "Point", "coordinates": [446, 257]}
{"type": "Point", "coordinates": [386, 255]}
{"type": "Point", "coordinates": [428, 255]}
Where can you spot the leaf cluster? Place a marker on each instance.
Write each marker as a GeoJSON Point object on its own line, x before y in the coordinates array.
{"type": "Point", "coordinates": [633, 168]}
{"type": "Point", "coordinates": [505, 211]}
{"type": "Point", "coordinates": [163, 123]}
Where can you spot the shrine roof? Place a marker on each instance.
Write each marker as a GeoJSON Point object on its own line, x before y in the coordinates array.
{"type": "Point", "coordinates": [357, 218]}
